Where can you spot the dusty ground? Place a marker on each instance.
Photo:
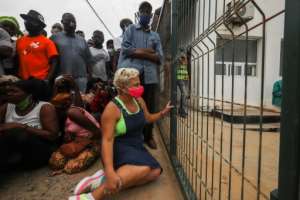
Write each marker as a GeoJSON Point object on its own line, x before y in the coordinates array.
{"type": "Point", "coordinates": [37, 185]}
{"type": "Point", "coordinates": [199, 148]}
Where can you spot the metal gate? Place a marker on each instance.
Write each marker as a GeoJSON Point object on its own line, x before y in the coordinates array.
{"type": "Point", "coordinates": [227, 147]}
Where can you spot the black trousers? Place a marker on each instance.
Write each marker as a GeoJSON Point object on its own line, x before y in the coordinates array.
{"type": "Point", "coordinates": [32, 151]}
{"type": "Point", "coordinates": [150, 100]}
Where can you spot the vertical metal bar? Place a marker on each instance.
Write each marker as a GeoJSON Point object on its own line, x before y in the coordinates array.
{"type": "Point", "coordinates": [289, 163]}
{"type": "Point", "coordinates": [209, 6]}
{"type": "Point", "coordinates": [199, 18]}
{"type": "Point", "coordinates": [193, 117]}
{"type": "Point", "coordinates": [203, 23]}
{"type": "Point", "coordinates": [191, 132]}
{"type": "Point", "coordinates": [216, 10]}
{"type": "Point", "coordinates": [201, 127]}
{"type": "Point", "coordinates": [213, 131]}
{"type": "Point", "coordinates": [261, 96]}
{"type": "Point", "coordinates": [193, 92]}
{"type": "Point", "coordinates": [208, 86]}
{"type": "Point", "coordinates": [189, 21]}
{"type": "Point", "coordinates": [222, 122]}
{"type": "Point", "coordinates": [198, 88]}
{"type": "Point", "coordinates": [197, 99]}
{"type": "Point", "coordinates": [186, 132]}
{"type": "Point", "coordinates": [190, 108]}
{"type": "Point", "coordinates": [207, 119]}
{"type": "Point", "coordinates": [202, 116]}
{"type": "Point", "coordinates": [245, 104]}
{"type": "Point", "coordinates": [173, 125]}
{"type": "Point", "coordinates": [222, 110]}
{"type": "Point", "coordinates": [184, 21]}
{"type": "Point", "coordinates": [231, 109]}
{"type": "Point", "coordinates": [179, 19]}
{"type": "Point", "coordinates": [197, 119]}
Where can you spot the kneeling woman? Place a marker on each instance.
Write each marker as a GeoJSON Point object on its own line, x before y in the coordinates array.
{"type": "Point", "coordinates": [126, 161]}
{"type": "Point", "coordinates": [28, 127]}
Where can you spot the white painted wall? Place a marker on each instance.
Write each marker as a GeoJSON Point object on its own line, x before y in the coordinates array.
{"type": "Point", "coordinates": [274, 34]}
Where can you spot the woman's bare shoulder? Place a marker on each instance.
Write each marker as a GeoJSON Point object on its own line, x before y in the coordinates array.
{"type": "Point", "coordinates": [111, 111]}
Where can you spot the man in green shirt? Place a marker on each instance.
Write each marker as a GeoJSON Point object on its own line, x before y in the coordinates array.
{"type": "Point", "coordinates": [182, 83]}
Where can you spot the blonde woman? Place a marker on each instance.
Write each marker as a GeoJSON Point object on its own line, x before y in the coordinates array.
{"type": "Point", "coordinates": [126, 161]}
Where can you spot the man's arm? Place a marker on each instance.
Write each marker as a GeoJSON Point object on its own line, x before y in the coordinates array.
{"type": "Point", "coordinates": [129, 50]}
{"type": "Point", "coordinates": [141, 53]}
{"type": "Point", "coordinates": [52, 54]}
{"type": "Point", "coordinates": [89, 61]}
{"type": "Point", "coordinates": [53, 66]}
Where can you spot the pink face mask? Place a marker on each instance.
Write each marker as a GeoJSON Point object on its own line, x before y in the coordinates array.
{"type": "Point", "coordinates": [136, 91]}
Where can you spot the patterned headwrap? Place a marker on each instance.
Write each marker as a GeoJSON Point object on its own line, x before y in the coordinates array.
{"type": "Point", "coordinates": [11, 20]}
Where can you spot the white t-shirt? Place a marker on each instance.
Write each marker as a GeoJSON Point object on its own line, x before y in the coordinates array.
{"type": "Point", "coordinates": [31, 119]}
{"type": "Point", "coordinates": [118, 42]}
{"type": "Point", "coordinates": [100, 57]}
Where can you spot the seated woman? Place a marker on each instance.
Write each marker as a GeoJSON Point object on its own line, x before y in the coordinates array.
{"type": "Point", "coordinates": [126, 161]}
{"type": "Point", "coordinates": [79, 149]}
{"type": "Point", "coordinates": [100, 94]}
{"type": "Point", "coordinates": [5, 81]}
{"type": "Point", "coordinates": [28, 126]}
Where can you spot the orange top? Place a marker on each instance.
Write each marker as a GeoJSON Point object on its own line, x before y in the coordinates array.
{"type": "Point", "coordinates": [34, 54]}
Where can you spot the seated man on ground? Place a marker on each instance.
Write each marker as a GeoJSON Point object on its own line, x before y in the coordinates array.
{"type": "Point", "coordinates": [79, 149]}
{"type": "Point", "coordinates": [126, 161]}
{"type": "Point", "coordinates": [28, 127]}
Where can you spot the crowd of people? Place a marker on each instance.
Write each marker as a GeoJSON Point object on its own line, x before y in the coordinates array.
{"type": "Point", "coordinates": [66, 101]}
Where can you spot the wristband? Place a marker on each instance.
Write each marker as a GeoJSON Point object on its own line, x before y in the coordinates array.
{"type": "Point", "coordinates": [25, 127]}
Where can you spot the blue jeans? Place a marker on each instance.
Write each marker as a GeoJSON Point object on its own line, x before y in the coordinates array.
{"type": "Point", "coordinates": [183, 87]}
{"type": "Point", "coordinates": [81, 83]}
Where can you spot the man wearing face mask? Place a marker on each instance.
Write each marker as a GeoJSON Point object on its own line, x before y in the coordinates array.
{"type": "Point", "coordinates": [141, 49]}
{"type": "Point", "coordinates": [100, 57]}
{"type": "Point", "coordinates": [37, 54]}
{"type": "Point", "coordinates": [74, 54]}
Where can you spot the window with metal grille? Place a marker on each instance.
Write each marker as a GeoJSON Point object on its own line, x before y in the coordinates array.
{"type": "Point", "coordinates": [251, 70]}
{"type": "Point", "coordinates": [225, 54]}
{"type": "Point", "coordinates": [237, 70]}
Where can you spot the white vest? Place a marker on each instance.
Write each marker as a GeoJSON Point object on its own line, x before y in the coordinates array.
{"type": "Point", "coordinates": [31, 119]}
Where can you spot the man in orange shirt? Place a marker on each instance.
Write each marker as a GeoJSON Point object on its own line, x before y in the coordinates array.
{"type": "Point", "coordinates": [37, 54]}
